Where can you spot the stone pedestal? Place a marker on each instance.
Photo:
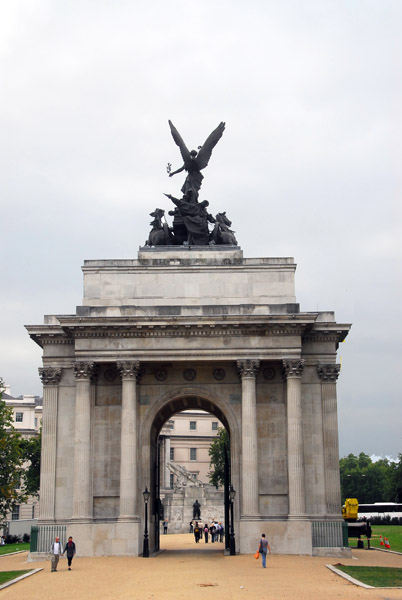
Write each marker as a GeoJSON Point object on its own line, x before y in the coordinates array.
{"type": "Point", "coordinates": [178, 507]}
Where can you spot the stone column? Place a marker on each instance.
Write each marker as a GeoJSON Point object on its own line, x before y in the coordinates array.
{"type": "Point", "coordinates": [167, 459]}
{"type": "Point", "coordinates": [248, 370]}
{"type": "Point", "coordinates": [50, 377]}
{"type": "Point", "coordinates": [293, 369]}
{"type": "Point", "coordinates": [82, 484]}
{"type": "Point", "coordinates": [128, 450]}
{"type": "Point", "coordinates": [328, 374]}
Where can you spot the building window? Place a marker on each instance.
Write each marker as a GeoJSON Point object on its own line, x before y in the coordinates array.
{"type": "Point", "coordinates": [193, 425]}
{"type": "Point", "coordinates": [19, 417]}
{"type": "Point", "coordinates": [214, 425]}
{"type": "Point", "coordinates": [171, 480]}
{"type": "Point", "coordinates": [15, 515]}
{"type": "Point", "coordinates": [36, 422]}
{"type": "Point", "coordinates": [171, 453]}
{"type": "Point", "coordinates": [193, 453]}
{"type": "Point", "coordinates": [33, 511]}
{"type": "Point", "coordinates": [171, 424]}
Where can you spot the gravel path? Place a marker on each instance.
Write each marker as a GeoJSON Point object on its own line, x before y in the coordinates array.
{"type": "Point", "coordinates": [192, 571]}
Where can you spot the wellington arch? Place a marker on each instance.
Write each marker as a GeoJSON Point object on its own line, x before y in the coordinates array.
{"type": "Point", "coordinates": [191, 327]}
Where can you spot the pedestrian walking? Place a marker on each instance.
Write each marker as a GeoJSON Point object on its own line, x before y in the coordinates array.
{"type": "Point", "coordinates": [221, 532]}
{"type": "Point", "coordinates": [263, 549]}
{"type": "Point", "coordinates": [206, 531]}
{"type": "Point", "coordinates": [56, 551]}
{"type": "Point", "coordinates": [70, 549]}
{"type": "Point", "coordinates": [196, 533]}
{"type": "Point", "coordinates": [165, 526]}
{"type": "Point", "coordinates": [191, 527]}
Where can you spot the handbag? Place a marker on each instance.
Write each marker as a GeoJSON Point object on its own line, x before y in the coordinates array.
{"type": "Point", "coordinates": [257, 555]}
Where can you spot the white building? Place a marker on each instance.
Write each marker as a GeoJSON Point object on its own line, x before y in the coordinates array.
{"type": "Point", "coordinates": [185, 439]}
{"type": "Point", "coordinates": [27, 412]}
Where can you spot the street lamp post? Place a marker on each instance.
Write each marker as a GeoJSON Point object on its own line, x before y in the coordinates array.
{"type": "Point", "coordinates": [232, 544]}
{"type": "Point", "coordinates": [145, 549]}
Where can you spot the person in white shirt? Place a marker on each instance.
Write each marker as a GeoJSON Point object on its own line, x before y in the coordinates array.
{"type": "Point", "coordinates": [56, 551]}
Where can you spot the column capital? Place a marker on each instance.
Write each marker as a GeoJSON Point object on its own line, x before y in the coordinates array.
{"type": "Point", "coordinates": [84, 370]}
{"type": "Point", "coordinates": [129, 369]}
{"type": "Point", "coordinates": [292, 367]}
{"type": "Point", "coordinates": [248, 367]}
{"type": "Point", "coordinates": [50, 375]}
{"type": "Point", "coordinates": [328, 371]}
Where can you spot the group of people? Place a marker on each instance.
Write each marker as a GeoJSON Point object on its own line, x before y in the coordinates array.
{"type": "Point", "coordinates": [56, 551]}
{"type": "Point", "coordinates": [215, 531]}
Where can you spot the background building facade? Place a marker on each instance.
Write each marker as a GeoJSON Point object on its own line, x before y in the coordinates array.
{"type": "Point", "coordinates": [27, 413]}
{"type": "Point", "coordinates": [185, 439]}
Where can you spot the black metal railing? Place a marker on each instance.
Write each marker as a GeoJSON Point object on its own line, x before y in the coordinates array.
{"type": "Point", "coordinates": [42, 537]}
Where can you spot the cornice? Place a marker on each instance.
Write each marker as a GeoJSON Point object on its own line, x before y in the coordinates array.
{"type": "Point", "coordinates": [300, 325]}
{"type": "Point", "coordinates": [323, 332]}
{"type": "Point", "coordinates": [186, 331]}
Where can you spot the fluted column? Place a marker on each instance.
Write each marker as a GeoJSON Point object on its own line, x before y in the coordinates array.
{"type": "Point", "coordinates": [82, 484]}
{"type": "Point", "coordinates": [128, 450]}
{"type": "Point", "coordinates": [293, 369]}
{"type": "Point", "coordinates": [50, 377]}
{"type": "Point", "coordinates": [328, 374]}
{"type": "Point", "coordinates": [248, 370]}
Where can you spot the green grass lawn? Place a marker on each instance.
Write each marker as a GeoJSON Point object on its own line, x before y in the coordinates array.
{"type": "Point", "coordinates": [8, 548]}
{"type": "Point", "coordinates": [375, 576]}
{"type": "Point", "coordinates": [392, 532]}
{"type": "Point", "coordinates": [8, 575]}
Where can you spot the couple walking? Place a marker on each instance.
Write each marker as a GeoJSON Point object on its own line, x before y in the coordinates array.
{"type": "Point", "coordinates": [57, 550]}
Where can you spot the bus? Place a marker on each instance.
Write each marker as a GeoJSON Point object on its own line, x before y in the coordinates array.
{"type": "Point", "coordinates": [379, 509]}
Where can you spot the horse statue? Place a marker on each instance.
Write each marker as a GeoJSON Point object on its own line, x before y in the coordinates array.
{"type": "Point", "coordinates": [160, 234]}
{"type": "Point", "coordinates": [221, 234]}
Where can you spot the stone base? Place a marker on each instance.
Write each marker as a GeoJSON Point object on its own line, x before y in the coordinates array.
{"type": "Point", "coordinates": [37, 556]}
{"type": "Point", "coordinates": [284, 537]}
{"type": "Point", "coordinates": [333, 552]}
{"type": "Point", "coordinates": [106, 539]}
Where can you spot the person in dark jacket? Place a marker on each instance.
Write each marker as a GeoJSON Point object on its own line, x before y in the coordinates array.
{"type": "Point", "coordinates": [71, 550]}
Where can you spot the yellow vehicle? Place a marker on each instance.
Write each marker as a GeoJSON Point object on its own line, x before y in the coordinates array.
{"type": "Point", "coordinates": [350, 509]}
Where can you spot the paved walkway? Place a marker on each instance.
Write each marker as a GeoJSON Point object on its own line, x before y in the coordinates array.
{"type": "Point", "coordinates": [189, 571]}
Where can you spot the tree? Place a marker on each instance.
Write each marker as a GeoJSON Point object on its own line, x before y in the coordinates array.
{"type": "Point", "coordinates": [11, 461]}
{"type": "Point", "coordinates": [366, 480]}
{"type": "Point", "coordinates": [217, 455]}
{"type": "Point", "coordinates": [31, 452]}
{"type": "Point", "coordinates": [397, 480]}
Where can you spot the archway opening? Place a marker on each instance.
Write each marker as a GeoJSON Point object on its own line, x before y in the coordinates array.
{"type": "Point", "coordinates": [185, 503]}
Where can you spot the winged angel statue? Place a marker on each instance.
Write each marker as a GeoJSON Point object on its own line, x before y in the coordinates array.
{"type": "Point", "coordinates": [195, 161]}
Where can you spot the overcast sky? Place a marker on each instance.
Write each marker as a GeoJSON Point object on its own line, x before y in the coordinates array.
{"type": "Point", "coordinates": [309, 165]}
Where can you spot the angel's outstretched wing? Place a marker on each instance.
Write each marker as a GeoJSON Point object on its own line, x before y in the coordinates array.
{"type": "Point", "coordinates": [206, 150]}
{"type": "Point", "coordinates": [179, 141]}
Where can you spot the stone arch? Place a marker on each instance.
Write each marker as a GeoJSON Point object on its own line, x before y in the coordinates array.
{"type": "Point", "coordinates": [176, 400]}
